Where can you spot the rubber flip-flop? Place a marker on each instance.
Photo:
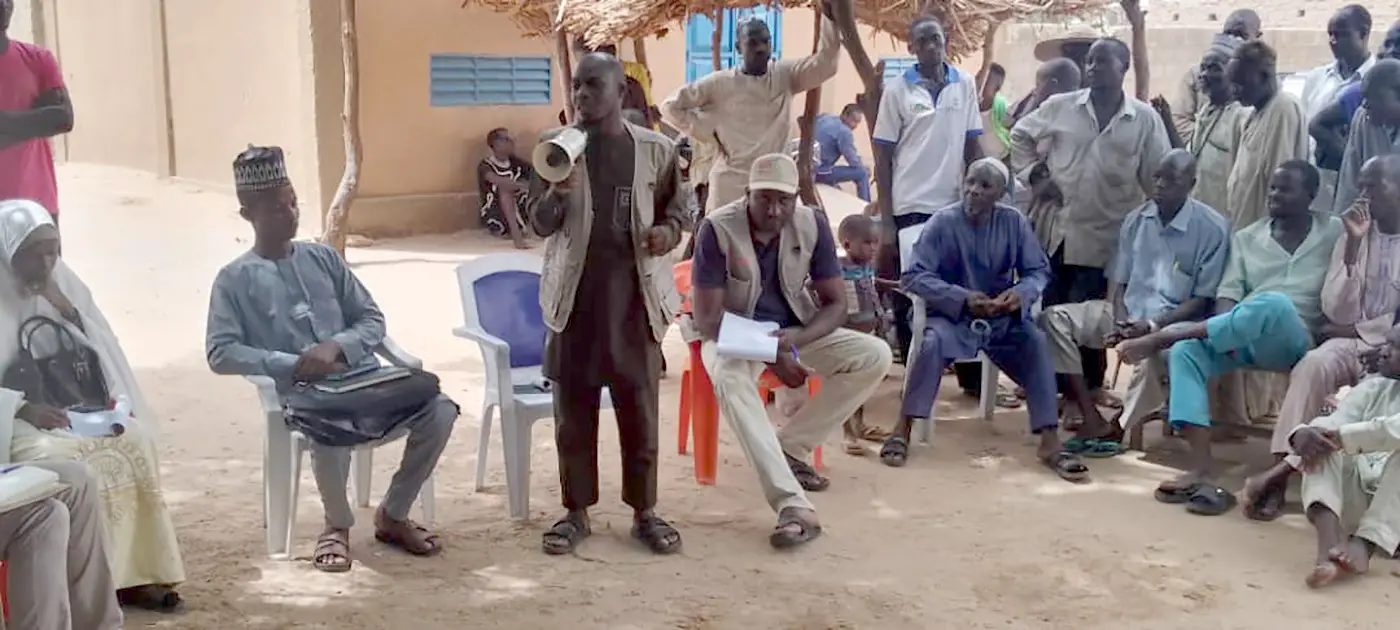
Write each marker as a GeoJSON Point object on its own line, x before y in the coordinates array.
{"type": "Point", "coordinates": [1102, 449]}
{"type": "Point", "coordinates": [1175, 496]}
{"type": "Point", "coordinates": [1210, 500]}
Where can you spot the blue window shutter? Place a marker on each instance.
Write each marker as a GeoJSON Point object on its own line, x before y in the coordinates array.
{"type": "Point", "coordinates": [460, 80]}
{"type": "Point", "coordinates": [895, 66]}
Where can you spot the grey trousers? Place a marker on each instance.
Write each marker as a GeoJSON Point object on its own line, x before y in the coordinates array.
{"type": "Point", "coordinates": [427, 436]}
{"type": "Point", "coordinates": [46, 593]}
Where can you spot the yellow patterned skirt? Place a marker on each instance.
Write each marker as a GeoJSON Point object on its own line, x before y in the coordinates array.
{"type": "Point", "coordinates": [141, 543]}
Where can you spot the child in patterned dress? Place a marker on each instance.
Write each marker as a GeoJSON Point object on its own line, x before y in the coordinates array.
{"type": "Point", "coordinates": [860, 239]}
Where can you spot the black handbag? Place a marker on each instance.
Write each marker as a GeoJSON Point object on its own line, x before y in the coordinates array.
{"type": "Point", "coordinates": [70, 377]}
{"type": "Point", "coordinates": [363, 407]}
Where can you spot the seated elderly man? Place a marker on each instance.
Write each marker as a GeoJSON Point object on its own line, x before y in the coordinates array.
{"type": "Point", "coordinates": [295, 312]}
{"type": "Point", "coordinates": [59, 578]}
{"type": "Point", "coordinates": [1351, 477]}
{"type": "Point", "coordinates": [1268, 309]}
{"type": "Point", "coordinates": [754, 258]}
{"type": "Point", "coordinates": [1171, 255]}
{"type": "Point", "coordinates": [979, 269]}
{"type": "Point", "coordinates": [1359, 299]}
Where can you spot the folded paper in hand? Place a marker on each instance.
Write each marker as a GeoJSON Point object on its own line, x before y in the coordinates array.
{"type": "Point", "coordinates": [744, 338]}
{"type": "Point", "coordinates": [22, 485]}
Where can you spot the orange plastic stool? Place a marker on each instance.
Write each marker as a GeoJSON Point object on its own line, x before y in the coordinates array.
{"type": "Point", "coordinates": [699, 413]}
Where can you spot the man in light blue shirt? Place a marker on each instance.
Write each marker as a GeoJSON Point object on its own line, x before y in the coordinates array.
{"type": "Point", "coordinates": [1171, 256]}
{"type": "Point", "coordinates": [836, 141]}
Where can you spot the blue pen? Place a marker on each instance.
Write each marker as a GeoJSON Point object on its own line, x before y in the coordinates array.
{"type": "Point", "coordinates": [9, 469]}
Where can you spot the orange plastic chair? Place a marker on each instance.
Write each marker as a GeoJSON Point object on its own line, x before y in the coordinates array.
{"type": "Point", "coordinates": [699, 413]}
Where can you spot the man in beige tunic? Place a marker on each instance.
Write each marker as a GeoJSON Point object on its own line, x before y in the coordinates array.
{"type": "Point", "coordinates": [747, 110]}
{"type": "Point", "coordinates": [1360, 299]}
{"type": "Point", "coordinates": [1192, 96]}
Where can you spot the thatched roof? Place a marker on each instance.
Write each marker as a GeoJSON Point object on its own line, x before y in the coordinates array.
{"type": "Point", "coordinates": [611, 21]}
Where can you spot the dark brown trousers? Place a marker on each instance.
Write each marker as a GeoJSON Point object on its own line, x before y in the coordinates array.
{"type": "Point", "coordinates": [635, 403]}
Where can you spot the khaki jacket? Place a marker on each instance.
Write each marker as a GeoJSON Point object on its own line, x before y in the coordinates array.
{"type": "Point", "coordinates": [567, 222]}
{"type": "Point", "coordinates": [797, 241]}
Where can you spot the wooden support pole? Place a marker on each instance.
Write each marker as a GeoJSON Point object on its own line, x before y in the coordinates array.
{"type": "Point", "coordinates": [806, 183]}
{"type": "Point", "coordinates": [566, 71]}
{"type": "Point", "coordinates": [338, 216]}
{"type": "Point", "coordinates": [716, 38]}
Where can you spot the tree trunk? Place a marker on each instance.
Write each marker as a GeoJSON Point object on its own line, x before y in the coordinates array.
{"type": "Point", "coordinates": [716, 38]}
{"type": "Point", "coordinates": [338, 216]}
{"type": "Point", "coordinates": [566, 72]}
{"type": "Point", "coordinates": [806, 185]}
{"type": "Point", "coordinates": [870, 74]}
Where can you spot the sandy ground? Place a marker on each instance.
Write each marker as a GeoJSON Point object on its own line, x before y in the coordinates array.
{"type": "Point", "coordinates": [972, 534]}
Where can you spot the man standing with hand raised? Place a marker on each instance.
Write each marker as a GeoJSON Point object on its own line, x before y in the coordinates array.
{"type": "Point", "coordinates": [608, 227]}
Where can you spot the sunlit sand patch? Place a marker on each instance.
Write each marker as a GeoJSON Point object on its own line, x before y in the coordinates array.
{"type": "Point", "coordinates": [299, 584]}
{"type": "Point", "coordinates": [883, 510]}
{"type": "Point", "coordinates": [498, 586]}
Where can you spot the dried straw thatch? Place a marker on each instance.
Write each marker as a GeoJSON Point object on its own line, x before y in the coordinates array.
{"type": "Point", "coordinates": [605, 21]}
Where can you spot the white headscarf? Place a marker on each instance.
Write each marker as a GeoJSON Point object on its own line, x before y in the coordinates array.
{"type": "Point", "coordinates": [18, 219]}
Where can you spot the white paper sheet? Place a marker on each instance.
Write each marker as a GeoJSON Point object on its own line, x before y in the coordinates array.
{"type": "Point", "coordinates": [744, 338]}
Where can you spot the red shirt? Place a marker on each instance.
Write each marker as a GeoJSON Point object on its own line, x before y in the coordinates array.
{"type": "Point", "coordinates": [26, 169]}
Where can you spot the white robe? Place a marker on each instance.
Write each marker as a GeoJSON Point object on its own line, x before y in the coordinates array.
{"type": "Point", "coordinates": [141, 542]}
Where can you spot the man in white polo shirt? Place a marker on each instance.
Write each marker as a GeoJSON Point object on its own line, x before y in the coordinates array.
{"type": "Point", "coordinates": [923, 113]}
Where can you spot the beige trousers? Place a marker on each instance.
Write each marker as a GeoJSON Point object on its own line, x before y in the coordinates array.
{"type": "Point", "coordinates": [46, 593]}
{"type": "Point", "coordinates": [1069, 326]}
{"type": "Point", "coordinates": [1324, 370]}
{"type": "Point", "coordinates": [1338, 485]}
{"type": "Point", "coordinates": [851, 366]}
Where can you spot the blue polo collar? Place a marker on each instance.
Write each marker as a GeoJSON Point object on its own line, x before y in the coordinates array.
{"type": "Point", "coordinates": [913, 76]}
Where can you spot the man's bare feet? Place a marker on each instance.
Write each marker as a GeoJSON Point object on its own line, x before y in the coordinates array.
{"type": "Point", "coordinates": [1354, 556]}
{"type": "Point", "coordinates": [1322, 574]}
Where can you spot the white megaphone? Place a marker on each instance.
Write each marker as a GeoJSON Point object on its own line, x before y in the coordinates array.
{"type": "Point", "coordinates": [554, 158]}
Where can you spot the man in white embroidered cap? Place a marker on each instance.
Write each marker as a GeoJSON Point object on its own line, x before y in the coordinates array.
{"type": "Point", "coordinates": [294, 312]}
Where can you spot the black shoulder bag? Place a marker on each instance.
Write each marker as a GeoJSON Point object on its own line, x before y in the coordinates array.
{"type": "Point", "coordinates": [361, 407]}
{"type": "Point", "coordinates": [70, 377]}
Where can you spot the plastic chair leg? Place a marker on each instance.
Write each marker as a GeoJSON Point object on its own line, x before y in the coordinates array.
{"type": "Point", "coordinates": [362, 472]}
{"type": "Point", "coordinates": [704, 420]}
{"type": "Point", "coordinates": [987, 402]}
{"type": "Point", "coordinates": [293, 490]}
{"type": "Point", "coordinates": [517, 454]}
{"type": "Point", "coordinates": [278, 487]}
{"type": "Point", "coordinates": [483, 446]}
{"type": "Point", "coordinates": [687, 399]}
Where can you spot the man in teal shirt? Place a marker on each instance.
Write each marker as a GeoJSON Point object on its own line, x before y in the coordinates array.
{"type": "Point", "coordinates": [1269, 310]}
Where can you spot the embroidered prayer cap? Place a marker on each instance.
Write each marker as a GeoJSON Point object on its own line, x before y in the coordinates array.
{"type": "Point", "coordinates": [260, 168]}
{"type": "Point", "coordinates": [18, 219]}
{"type": "Point", "coordinates": [775, 171]}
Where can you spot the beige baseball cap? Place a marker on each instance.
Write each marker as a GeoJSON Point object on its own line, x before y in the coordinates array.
{"type": "Point", "coordinates": [774, 171]}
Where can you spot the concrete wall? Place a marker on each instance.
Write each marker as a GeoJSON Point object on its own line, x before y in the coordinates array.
{"type": "Point", "coordinates": [419, 172]}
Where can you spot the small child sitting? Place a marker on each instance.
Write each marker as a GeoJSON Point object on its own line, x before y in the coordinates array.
{"type": "Point", "coordinates": [860, 238]}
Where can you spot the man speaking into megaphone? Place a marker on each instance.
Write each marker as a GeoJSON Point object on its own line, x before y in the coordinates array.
{"type": "Point", "coordinates": [610, 217]}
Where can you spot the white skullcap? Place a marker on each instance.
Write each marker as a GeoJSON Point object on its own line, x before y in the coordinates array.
{"type": "Point", "coordinates": [995, 165]}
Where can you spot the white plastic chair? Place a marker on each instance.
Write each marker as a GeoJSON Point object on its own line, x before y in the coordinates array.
{"type": "Point", "coordinates": [987, 398]}
{"type": "Point", "coordinates": [501, 313]}
{"type": "Point", "coordinates": [282, 452]}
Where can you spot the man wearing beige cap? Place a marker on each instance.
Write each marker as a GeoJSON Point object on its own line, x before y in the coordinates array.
{"type": "Point", "coordinates": [755, 258]}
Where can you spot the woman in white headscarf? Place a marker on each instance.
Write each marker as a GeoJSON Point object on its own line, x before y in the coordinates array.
{"type": "Point", "coordinates": [34, 282]}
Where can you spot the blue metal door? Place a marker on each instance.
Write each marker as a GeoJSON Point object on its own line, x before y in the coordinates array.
{"type": "Point", "coordinates": [699, 33]}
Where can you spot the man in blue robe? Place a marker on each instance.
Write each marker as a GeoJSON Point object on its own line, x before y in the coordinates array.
{"type": "Point", "coordinates": [978, 269]}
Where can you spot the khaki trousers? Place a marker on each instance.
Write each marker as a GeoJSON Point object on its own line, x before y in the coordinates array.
{"type": "Point", "coordinates": [1338, 486]}
{"type": "Point", "coordinates": [1324, 370]}
{"type": "Point", "coordinates": [851, 366]}
{"type": "Point", "coordinates": [59, 578]}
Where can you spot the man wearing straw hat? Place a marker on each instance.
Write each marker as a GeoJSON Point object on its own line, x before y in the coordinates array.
{"type": "Point", "coordinates": [747, 110]}
{"type": "Point", "coordinates": [609, 226]}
